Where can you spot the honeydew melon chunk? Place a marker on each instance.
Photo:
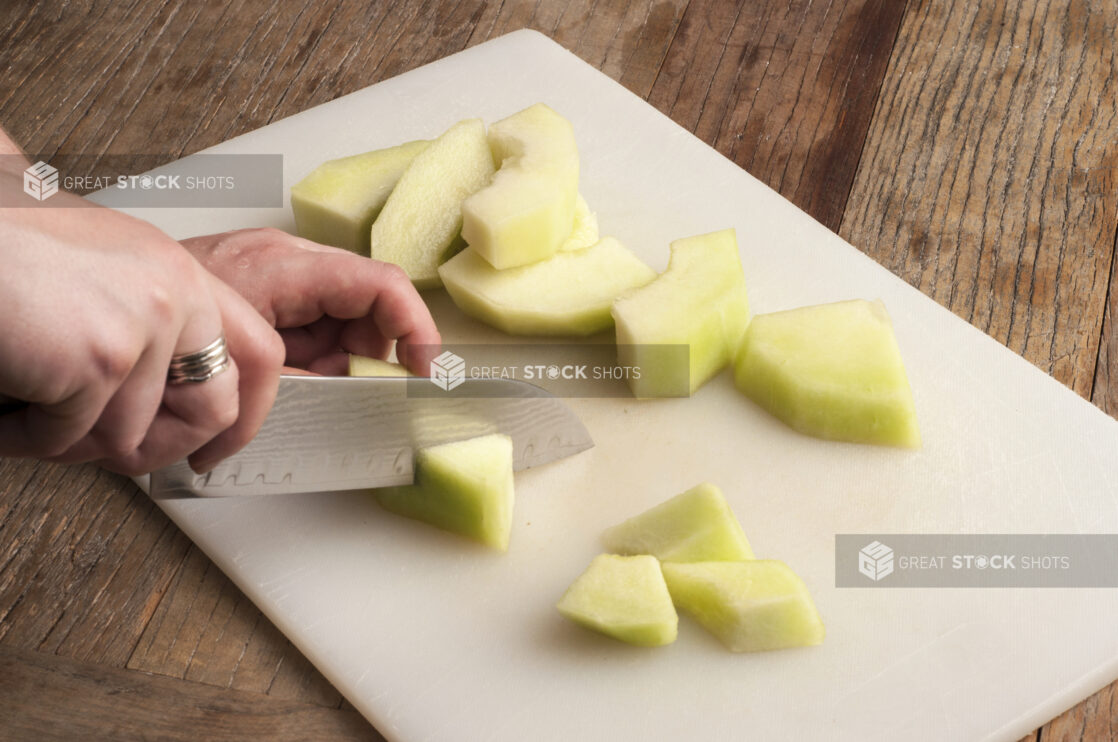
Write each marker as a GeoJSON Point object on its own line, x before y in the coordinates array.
{"type": "Point", "coordinates": [421, 219]}
{"type": "Point", "coordinates": [338, 201]}
{"type": "Point", "coordinates": [832, 371]}
{"type": "Point", "coordinates": [567, 294]}
{"type": "Point", "coordinates": [750, 606]}
{"type": "Point", "coordinates": [527, 212]}
{"type": "Point", "coordinates": [365, 366]}
{"type": "Point", "coordinates": [699, 301]}
{"type": "Point", "coordinates": [584, 232]}
{"type": "Point", "coordinates": [464, 487]}
{"type": "Point", "coordinates": [696, 526]}
{"type": "Point", "coordinates": [624, 597]}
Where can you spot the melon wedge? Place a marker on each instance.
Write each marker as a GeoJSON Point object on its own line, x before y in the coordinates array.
{"type": "Point", "coordinates": [696, 526]}
{"type": "Point", "coordinates": [832, 371]}
{"type": "Point", "coordinates": [527, 212]}
{"type": "Point", "coordinates": [338, 201]}
{"type": "Point", "coordinates": [365, 366]}
{"type": "Point", "coordinates": [567, 294]}
{"type": "Point", "coordinates": [463, 487]}
{"type": "Point", "coordinates": [750, 606]}
{"type": "Point", "coordinates": [624, 597]}
{"type": "Point", "coordinates": [584, 232]}
{"type": "Point", "coordinates": [418, 225]}
{"type": "Point", "coordinates": [699, 301]}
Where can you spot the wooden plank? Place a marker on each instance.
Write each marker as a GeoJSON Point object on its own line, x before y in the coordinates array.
{"type": "Point", "coordinates": [1105, 392]}
{"type": "Point", "coordinates": [988, 179]}
{"type": "Point", "coordinates": [207, 631]}
{"type": "Point", "coordinates": [46, 697]}
{"type": "Point", "coordinates": [786, 90]}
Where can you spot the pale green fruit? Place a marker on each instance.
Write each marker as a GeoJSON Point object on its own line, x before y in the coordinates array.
{"type": "Point", "coordinates": [423, 215]}
{"type": "Point", "coordinates": [365, 366]}
{"type": "Point", "coordinates": [750, 606]}
{"type": "Point", "coordinates": [337, 203]}
{"type": "Point", "coordinates": [526, 213]}
{"type": "Point", "coordinates": [624, 597]}
{"type": "Point", "coordinates": [700, 302]}
{"type": "Point", "coordinates": [463, 487]}
{"type": "Point", "coordinates": [696, 526]}
{"type": "Point", "coordinates": [832, 371]}
{"type": "Point", "coordinates": [567, 294]}
{"type": "Point", "coordinates": [584, 233]}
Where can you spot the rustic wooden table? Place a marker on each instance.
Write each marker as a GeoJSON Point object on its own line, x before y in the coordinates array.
{"type": "Point", "coordinates": [970, 147]}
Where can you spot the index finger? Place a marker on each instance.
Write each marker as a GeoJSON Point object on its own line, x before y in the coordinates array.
{"type": "Point", "coordinates": [379, 296]}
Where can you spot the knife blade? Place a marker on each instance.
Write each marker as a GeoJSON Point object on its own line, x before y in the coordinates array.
{"type": "Point", "coordinates": [329, 433]}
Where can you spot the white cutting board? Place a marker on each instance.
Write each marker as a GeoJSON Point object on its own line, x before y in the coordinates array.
{"type": "Point", "coordinates": [433, 638]}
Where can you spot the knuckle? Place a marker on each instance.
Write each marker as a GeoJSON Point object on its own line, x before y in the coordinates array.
{"type": "Point", "coordinates": [226, 414]}
{"type": "Point", "coordinates": [122, 447]}
{"type": "Point", "coordinates": [114, 357]}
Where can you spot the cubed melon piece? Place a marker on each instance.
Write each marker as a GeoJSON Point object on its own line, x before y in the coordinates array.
{"type": "Point", "coordinates": [463, 487]}
{"type": "Point", "coordinates": [527, 212]}
{"type": "Point", "coordinates": [832, 371]}
{"type": "Point", "coordinates": [567, 294]}
{"type": "Point", "coordinates": [584, 232]}
{"type": "Point", "coordinates": [624, 597]}
{"type": "Point", "coordinates": [338, 201]}
{"type": "Point", "coordinates": [700, 302]}
{"type": "Point", "coordinates": [418, 225]}
{"type": "Point", "coordinates": [365, 366]}
{"type": "Point", "coordinates": [750, 606]}
{"type": "Point", "coordinates": [696, 526]}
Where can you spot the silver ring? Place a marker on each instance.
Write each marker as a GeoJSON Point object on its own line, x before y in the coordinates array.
{"type": "Point", "coordinates": [201, 365]}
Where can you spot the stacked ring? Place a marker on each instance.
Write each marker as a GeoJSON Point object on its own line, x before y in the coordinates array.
{"type": "Point", "coordinates": [201, 365]}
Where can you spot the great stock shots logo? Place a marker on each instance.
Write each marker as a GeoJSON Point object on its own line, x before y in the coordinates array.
{"type": "Point", "coordinates": [40, 181]}
{"type": "Point", "coordinates": [875, 561]}
{"type": "Point", "coordinates": [448, 371]}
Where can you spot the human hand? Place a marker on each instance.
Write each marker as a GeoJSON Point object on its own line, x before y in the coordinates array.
{"type": "Point", "coordinates": [95, 303]}
{"type": "Point", "coordinates": [324, 301]}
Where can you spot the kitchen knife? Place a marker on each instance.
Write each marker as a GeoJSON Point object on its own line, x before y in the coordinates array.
{"type": "Point", "coordinates": [328, 433]}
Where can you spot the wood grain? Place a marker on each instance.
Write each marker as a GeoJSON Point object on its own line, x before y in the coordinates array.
{"type": "Point", "coordinates": [968, 146]}
{"type": "Point", "coordinates": [785, 90]}
{"type": "Point", "coordinates": [988, 181]}
{"type": "Point", "coordinates": [112, 704]}
{"type": "Point", "coordinates": [1105, 392]}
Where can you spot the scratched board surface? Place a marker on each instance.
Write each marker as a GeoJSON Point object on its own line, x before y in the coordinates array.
{"type": "Point", "coordinates": [432, 638]}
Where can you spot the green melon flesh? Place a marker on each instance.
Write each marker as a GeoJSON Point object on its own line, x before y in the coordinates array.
{"type": "Point", "coordinates": [338, 201]}
{"type": "Point", "coordinates": [418, 225]}
{"type": "Point", "coordinates": [750, 606]}
{"type": "Point", "coordinates": [567, 294]}
{"type": "Point", "coordinates": [696, 526]}
{"type": "Point", "coordinates": [526, 213]}
{"type": "Point", "coordinates": [584, 233]}
{"type": "Point", "coordinates": [624, 597]}
{"type": "Point", "coordinates": [700, 302]}
{"type": "Point", "coordinates": [365, 366]}
{"type": "Point", "coordinates": [464, 487]}
{"type": "Point", "coordinates": [832, 371]}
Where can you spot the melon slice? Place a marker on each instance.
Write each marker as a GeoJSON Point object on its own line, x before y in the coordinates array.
{"type": "Point", "coordinates": [338, 201]}
{"type": "Point", "coordinates": [418, 224]}
{"type": "Point", "coordinates": [527, 212]}
{"type": "Point", "coordinates": [463, 487]}
{"type": "Point", "coordinates": [696, 526]}
{"type": "Point", "coordinates": [365, 366]}
{"type": "Point", "coordinates": [567, 294]}
{"type": "Point", "coordinates": [832, 371]}
{"type": "Point", "coordinates": [584, 232]}
{"type": "Point", "coordinates": [699, 301]}
{"type": "Point", "coordinates": [750, 606]}
{"type": "Point", "coordinates": [624, 597]}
